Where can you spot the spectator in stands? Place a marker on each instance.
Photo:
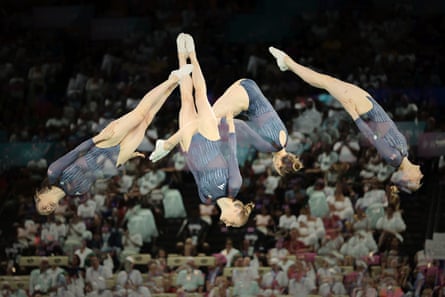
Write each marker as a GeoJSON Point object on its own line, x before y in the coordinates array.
{"type": "Point", "coordinates": [366, 288]}
{"type": "Point", "coordinates": [129, 281]}
{"type": "Point", "coordinates": [360, 220]}
{"type": "Point", "coordinates": [278, 251]}
{"type": "Point", "coordinates": [155, 277]}
{"type": "Point", "coordinates": [285, 261]}
{"type": "Point", "coordinates": [286, 219]}
{"type": "Point", "coordinates": [347, 148]}
{"type": "Point", "coordinates": [86, 209]}
{"type": "Point", "coordinates": [275, 281]}
{"type": "Point", "coordinates": [325, 276]}
{"type": "Point", "coordinates": [314, 224]}
{"type": "Point", "coordinates": [339, 204]}
{"type": "Point", "coordinates": [379, 129]}
{"type": "Point", "coordinates": [229, 252]}
{"type": "Point", "coordinates": [77, 231]}
{"type": "Point", "coordinates": [40, 278]}
{"type": "Point", "coordinates": [57, 279]}
{"type": "Point", "coordinates": [96, 275]}
{"type": "Point", "coordinates": [263, 226]}
{"type": "Point", "coordinates": [221, 288]}
{"type": "Point", "coordinates": [376, 168]}
{"type": "Point", "coordinates": [318, 204]}
{"type": "Point", "coordinates": [132, 243]}
{"type": "Point", "coordinates": [8, 291]}
{"type": "Point", "coordinates": [75, 284]}
{"type": "Point", "coordinates": [83, 252]}
{"type": "Point", "coordinates": [190, 279]}
{"type": "Point", "coordinates": [112, 147]}
{"type": "Point", "coordinates": [374, 201]}
{"type": "Point", "coordinates": [172, 203]}
{"type": "Point", "coordinates": [244, 277]}
{"type": "Point", "coordinates": [214, 271]}
{"type": "Point", "coordinates": [300, 282]}
{"type": "Point", "coordinates": [326, 158]}
{"type": "Point", "coordinates": [391, 223]}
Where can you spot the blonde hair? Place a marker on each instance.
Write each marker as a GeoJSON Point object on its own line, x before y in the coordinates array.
{"type": "Point", "coordinates": [244, 214]}
{"type": "Point", "coordinates": [290, 164]}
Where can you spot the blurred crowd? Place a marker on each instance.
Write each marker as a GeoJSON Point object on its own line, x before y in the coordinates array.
{"type": "Point", "coordinates": [335, 228]}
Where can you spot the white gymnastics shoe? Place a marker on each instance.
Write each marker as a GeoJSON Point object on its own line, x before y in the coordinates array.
{"type": "Point", "coordinates": [180, 43]}
{"type": "Point", "coordinates": [183, 71]}
{"type": "Point", "coordinates": [159, 151]}
{"type": "Point", "coordinates": [189, 43]}
{"type": "Point", "coordinates": [279, 56]}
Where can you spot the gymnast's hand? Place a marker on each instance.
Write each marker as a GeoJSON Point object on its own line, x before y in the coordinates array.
{"type": "Point", "coordinates": [159, 151]}
{"type": "Point", "coordinates": [137, 155]}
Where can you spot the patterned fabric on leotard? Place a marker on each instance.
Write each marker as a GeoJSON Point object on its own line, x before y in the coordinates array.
{"type": "Point", "coordinates": [214, 166]}
{"type": "Point", "coordinates": [381, 131]}
{"type": "Point", "coordinates": [262, 117]}
{"type": "Point", "coordinates": [76, 171]}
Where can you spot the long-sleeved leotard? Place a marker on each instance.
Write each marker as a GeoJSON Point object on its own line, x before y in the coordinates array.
{"type": "Point", "coordinates": [214, 165]}
{"type": "Point", "coordinates": [76, 171]}
{"type": "Point", "coordinates": [246, 136]}
{"type": "Point", "coordinates": [262, 117]}
{"type": "Point", "coordinates": [381, 131]}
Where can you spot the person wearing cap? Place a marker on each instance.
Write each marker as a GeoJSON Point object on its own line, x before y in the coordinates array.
{"type": "Point", "coordinates": [190, 279]}
{"type": "Point", "coordinates": [129, 281]}
{"type": "Point", "coordinates": [369, 117]}
{"type": "Point", "coordinates": [275, 281]}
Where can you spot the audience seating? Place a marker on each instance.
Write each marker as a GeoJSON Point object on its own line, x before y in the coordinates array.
{"type": "Point", "coordinates": [34, 261]}
{"type": "Point", "coordinates": [175, 261]}
{"type": "Point", "coordinates": [261, 270]}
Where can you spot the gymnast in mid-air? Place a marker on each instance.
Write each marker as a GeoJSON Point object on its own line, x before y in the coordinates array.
{"type": "Point", "coordinates": [263, 129]}
{"type": "Point", "coordinates": [369, 117]}
{"type": "Point", "coordinates": [208, 143]}
{"type": "Point", "coordinates": [74, 173]}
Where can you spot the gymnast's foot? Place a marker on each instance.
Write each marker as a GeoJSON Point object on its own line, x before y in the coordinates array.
{"type": "Point", "coordinates": [182, 72]}
{"type": "Point", "coordinates": [159, 152]}
{"type": "Point", "coordinates": [189, 43]}
{"type": "Point", "coordinates": [180, 43]}
{"type": "Point", "coordinates": [279, 56]}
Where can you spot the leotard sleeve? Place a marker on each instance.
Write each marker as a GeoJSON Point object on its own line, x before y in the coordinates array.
{"type": "Point", "coordinates": [390, 154]}
{"type": "Point", "coordinates": [246, 136]}
{"type": "Point", "coordinates": [57, 167]}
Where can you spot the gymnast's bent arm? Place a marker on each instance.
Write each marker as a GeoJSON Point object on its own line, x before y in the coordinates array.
{"type": "Point", "coordinates": [247, 135]}
{"type": "Point", "coordinates": [57, 167]}
{"type": "Point", "coordinates": [235, 179]}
